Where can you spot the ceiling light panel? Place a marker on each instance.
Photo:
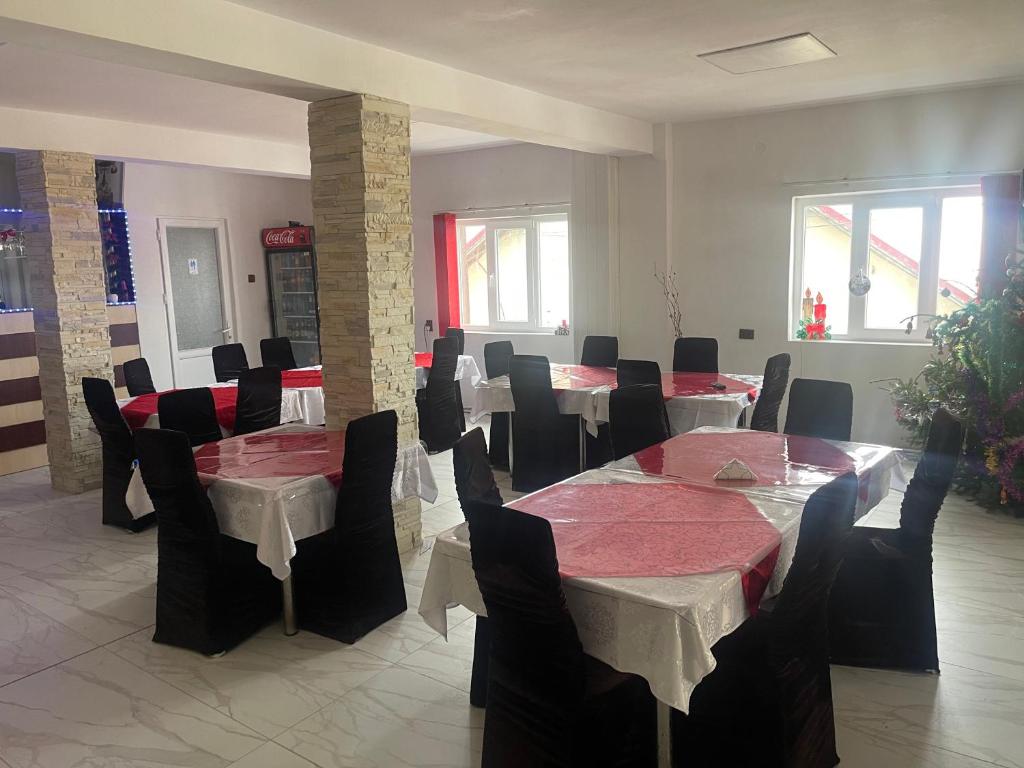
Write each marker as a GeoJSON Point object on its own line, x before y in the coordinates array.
{"type": "Point", "coordinates": [770, 54]}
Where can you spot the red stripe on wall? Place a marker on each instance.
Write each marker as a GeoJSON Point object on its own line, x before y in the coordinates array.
{"type": "Point", "coordinates": [446, 265]}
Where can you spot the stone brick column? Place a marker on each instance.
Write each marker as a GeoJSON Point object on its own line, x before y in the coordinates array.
{"type": "Point", "coordinates": [359, 157]}
{"type": "Point", "coordinates": [68, 289]}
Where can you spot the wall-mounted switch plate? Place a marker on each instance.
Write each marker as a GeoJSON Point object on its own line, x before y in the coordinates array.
{"type": "Point", "coordinates": [428, 326]}
{"type": "Point", "coordinates": [252, 278]}
{"type": "Point", "coordinates": [746, 333]}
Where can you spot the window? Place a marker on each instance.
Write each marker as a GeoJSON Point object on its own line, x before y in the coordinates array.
{"type": "Point", "coordinates": [919, 248]}
{"type": "Point", "coordinates": [514, 271]}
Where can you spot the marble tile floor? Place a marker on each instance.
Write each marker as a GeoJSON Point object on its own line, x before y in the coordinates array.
{"type": "Point", "coordinates": [82, 684]}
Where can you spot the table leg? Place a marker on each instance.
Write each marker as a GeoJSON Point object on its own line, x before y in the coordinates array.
{"type": "Point", "coordinates": [288, 605]}
{"type": "Point", "coordinates": [664, 735]}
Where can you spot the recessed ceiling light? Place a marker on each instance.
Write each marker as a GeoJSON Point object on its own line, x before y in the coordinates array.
{"type": "Point", "coordinates": [770, 54]}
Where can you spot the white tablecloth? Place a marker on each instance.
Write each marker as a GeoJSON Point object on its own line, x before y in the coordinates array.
{"type": "Point", "coordinates": [466, 367]}
{"type": "Point", "coordinates": [684, 413]}
{"type": "Point", "coordinates": [662, 629]}
{"type": "Point", "coordinates": [273, 513]}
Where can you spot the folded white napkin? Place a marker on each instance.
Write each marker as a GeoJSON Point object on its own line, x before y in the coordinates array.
{"type": "Point", "coordinates": [735, 470]}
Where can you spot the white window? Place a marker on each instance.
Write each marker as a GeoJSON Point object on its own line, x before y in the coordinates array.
{"type": "Point", "coordinates": [919, 248]}
{"type": "Point", "coordinates": [514, 271]}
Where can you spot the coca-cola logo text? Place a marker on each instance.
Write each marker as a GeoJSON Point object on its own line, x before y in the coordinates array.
{"type": "Point", "coordinates": [284, 237]}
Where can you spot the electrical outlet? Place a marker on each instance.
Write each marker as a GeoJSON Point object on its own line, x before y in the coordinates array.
{"type": "Point", "coordinates": [428, 326]}
{"type": "Point", "coordinates": [746, 333]}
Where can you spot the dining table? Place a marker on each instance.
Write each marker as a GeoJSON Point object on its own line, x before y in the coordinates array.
{"type": "Point", "coordinates": [279, 486]}
{"type": "Point", "coordinates": [142, 410]}
{"type": "Point", "coordinates": [691, 399]}
{"type": "Point", "coordinates": [659, 560]}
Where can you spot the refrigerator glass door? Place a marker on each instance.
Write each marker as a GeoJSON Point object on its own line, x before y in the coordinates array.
{"type": "Point", "coordinates": [294, 303]}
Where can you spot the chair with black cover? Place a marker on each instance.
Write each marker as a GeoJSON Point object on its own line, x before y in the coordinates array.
{"type": "Point", "coordinates": [637, 418]}
{"type": "Point", "coordinates": [459, 335]}
{"type": "Point", "coordinates": [278, 352]}
{"type": "Point", "coordinates": [772, 682]}
{"type": "Point", "coordinates": [229, 361]}
{"type": "Point", "coordinates": [820, 408]}
{"type": "Point", "coordinates": [474, 481]}
{"type": "Point", "coordinates": [137, 377]}
{"type": "Point", "coordinates": [436, 404]}
{"type": "Point", "coordinates": [259, 400]}
{"type": "Point", "coordinates": [695, 354]}
{"type": "Point", "coordinates": [545, 443]}
{"type": "Point", "coordinates": [882, 608]}
{"type": "Point", "coordinates": [348, 580]}
{"type": "Point", "coordinates": [211, 591]}
{"type": "Point", "coordinates": [601, 351]}
{"type": "Point", "coordinates": [191, 411]}
{"type": "Point", "coordinates": [496, 357]}
{"type": "Point", "coordinates": [766, 409]}
{"type": "Point", "coordinates": [629, 372]}
{"type": "Point", "coordinates": [118, 454]}
{"type": "Point", "coordinates": [548, 703]}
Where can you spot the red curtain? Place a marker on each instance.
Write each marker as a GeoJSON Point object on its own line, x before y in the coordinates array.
{"type": "Point", "coordinates": [1002, 198]}
{"type": "Point", "coordinates": [446, 266]}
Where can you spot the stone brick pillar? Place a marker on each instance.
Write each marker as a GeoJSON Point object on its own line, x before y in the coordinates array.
{"type": "Point", "coordinates": [68, 289]}
{"type": "Point", "coordinates": [359, 157]}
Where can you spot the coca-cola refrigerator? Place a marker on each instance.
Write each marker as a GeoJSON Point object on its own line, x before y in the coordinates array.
{"type": "Point", "coordinates": [291, 274]}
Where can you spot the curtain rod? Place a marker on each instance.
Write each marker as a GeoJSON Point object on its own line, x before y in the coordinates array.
{"type": "Point", "coordinates": [908, 177]}
{"type": "Point", "coordinates": [513, 207]}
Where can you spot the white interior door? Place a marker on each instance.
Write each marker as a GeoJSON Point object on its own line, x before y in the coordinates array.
{"type": "Point", "coordinates": [197, 280]}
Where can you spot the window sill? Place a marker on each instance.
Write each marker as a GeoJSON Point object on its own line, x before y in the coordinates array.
{"type": "Point", "coordinates": [511, 332]}
{"type": "Point", "coordinates": [873, 342]}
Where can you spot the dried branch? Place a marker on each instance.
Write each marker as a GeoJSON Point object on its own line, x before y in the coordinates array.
{"type": "Point", "coordinates": [667, 281]}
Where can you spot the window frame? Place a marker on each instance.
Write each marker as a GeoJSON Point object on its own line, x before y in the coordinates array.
{"type": "Point", "coordinates": [513, 218]}
{"type": "Point", "coordinates": [929, 199]}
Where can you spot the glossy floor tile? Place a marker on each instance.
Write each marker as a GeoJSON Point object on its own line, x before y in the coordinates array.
{"type": "Point", "coordinates": [83, 685]}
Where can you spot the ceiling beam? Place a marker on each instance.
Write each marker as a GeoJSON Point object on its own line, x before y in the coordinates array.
{"type": "Point", "coordinates": [219, 41]}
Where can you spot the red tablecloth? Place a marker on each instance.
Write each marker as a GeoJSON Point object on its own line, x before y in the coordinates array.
{"type": "Point", "coordinates": [775, 459]}
{"type": "Point", "coordinates": [137, 412]}
{"type": "Point", "coordinates": [300, 454]}
{"type": "Point", "coordinates": [424, 359]}
{"type": "Point", "coordinates": [694, 384]}
{"type": "Point", "coordinates": [657, 530]}
{"type": "Point", "coordinates": [301, 379]}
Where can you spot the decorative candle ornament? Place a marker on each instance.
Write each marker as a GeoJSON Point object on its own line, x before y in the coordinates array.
{"type": "Point", "coordinates": [805, 305]}
{"type": "Point", "coordinates": [819, 308]}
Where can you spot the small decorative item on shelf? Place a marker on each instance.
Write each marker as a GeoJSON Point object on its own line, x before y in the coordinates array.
{"type": "Point", "coordinates": [563, 329]}
{"type": "Point", "coordinates": [812, 325]}
{"type": "Point", "coordinates": [860, 283]}
{"type": "Point", "coordinates": [806, 306]}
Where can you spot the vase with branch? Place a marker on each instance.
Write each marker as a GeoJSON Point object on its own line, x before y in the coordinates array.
{"type": "Point", "coordinates": [670, 289]}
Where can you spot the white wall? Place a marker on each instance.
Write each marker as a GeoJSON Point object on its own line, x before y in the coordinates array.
{"type": "Point", "coordinates": [516, 175]}
{"type": "Point", "coordinates": [247, 203]}
{"type": "Point", "coordinates": [730, 186]}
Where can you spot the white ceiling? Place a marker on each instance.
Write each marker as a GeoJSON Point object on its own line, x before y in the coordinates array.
{"type": "Point", "coordinates": [51, 81]}
{"type": "Point", "coordinates": [639, 57]}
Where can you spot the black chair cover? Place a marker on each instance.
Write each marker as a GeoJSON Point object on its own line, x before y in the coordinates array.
{"type": "Point", "coordinates": [695, 354]}
{"type": "Point", "coordinates": [211, 591]}
{"type": "Point", "coordinates": [137, 377]}
{"type": "Point", "coordinates": [545, 443]}
{"type": "Point", "coordinates": [278, 352]}
{"type": "Point", "coordinates": [820, 408]}
{"type": "Point", "coordinates": [630, 372]}
{"type": "Point", "coordinates": [439, 411]}
{"type": "Point", "coordinates": [882, 608]}
{"type": "Point", "coordinates": [474, 481]}
{"type": "Point", "coordinates": [118, 454]}
{"type": "Point", "coordinates": [229, 361]}
{"type": "Point", "coordinates": [548, 704]}
{"type": "Point", "coordinates": [348, 580]}
{"type": "Point", "coordinates": [772, 681]}
{"type": "Point", "coordinates": [259, 400]}
{"type": "Point", "coordinates": [496, 358]}
{"type": "Point", "coordinates": [459, 335]}
{"type": "Point", "coordinates": [637, 418]}
{"type": "Point", "coordinates": [766, 409]}
{"type": "Point", "coordinates": [601, 351]}
{"type": "Point", "coordinates": [191, 411]}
